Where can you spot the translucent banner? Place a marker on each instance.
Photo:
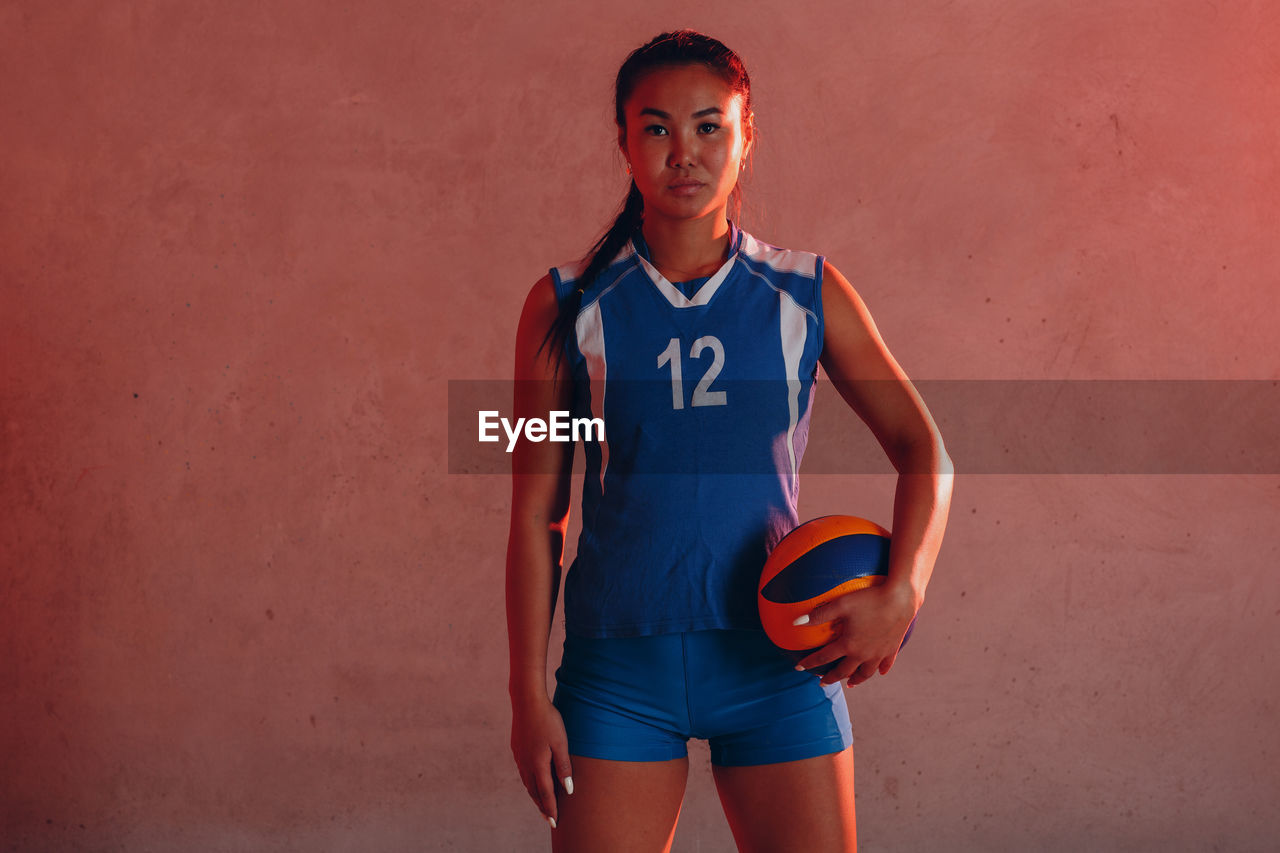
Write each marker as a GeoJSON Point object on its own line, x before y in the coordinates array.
{"type": "Point", "coordinates": [989, 427]}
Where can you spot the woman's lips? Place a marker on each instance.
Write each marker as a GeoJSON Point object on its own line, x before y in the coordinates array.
{"type": "Point", "coordinates": [686, 188]}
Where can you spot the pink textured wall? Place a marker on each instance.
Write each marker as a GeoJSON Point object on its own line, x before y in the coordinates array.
{"type": "Point", "coordinates": [245, 245]}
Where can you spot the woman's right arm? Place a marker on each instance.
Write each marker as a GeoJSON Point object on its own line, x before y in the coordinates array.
{"type": "Point", "coordinates": [535, 548]}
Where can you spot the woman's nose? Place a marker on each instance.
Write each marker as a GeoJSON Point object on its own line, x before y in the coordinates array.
{"type": "Point", "coordinates": [681, 153]}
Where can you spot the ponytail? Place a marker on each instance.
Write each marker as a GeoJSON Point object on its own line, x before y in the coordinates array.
{"type": "Point", "coordinates": [602, 254]}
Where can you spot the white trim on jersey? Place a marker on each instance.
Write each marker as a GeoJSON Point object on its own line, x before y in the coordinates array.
{"type": "Point", "coordinates": [590, 329]}
{"type": "Point", "coordinates": [792, 323]}
{"type": "Point", "coordinates": [782, 260]}
{"type": "Point", "coordinates": [673, 294]}
{"type": "Point", "coordinates": [782, 292]}
{"type": "Point", "coordinates": [792, 327]}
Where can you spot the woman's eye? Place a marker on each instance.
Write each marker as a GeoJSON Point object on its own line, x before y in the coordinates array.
{"type": "Point", "coordinates": [714, 127]}
{"type": "Point", "coordinates": [655, 129]}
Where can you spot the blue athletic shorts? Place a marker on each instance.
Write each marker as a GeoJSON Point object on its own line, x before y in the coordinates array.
{"type": "Point", "coordinates": [642, 698]}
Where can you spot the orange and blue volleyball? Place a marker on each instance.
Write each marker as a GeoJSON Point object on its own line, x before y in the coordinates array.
{"type": "Point", "coordinates": [820, 560]}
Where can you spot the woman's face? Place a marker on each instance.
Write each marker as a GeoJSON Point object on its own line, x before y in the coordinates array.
{"type": "Point", "coordinates": [685, 139]}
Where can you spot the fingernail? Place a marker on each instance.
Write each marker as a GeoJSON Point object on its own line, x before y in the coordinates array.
{"type": "Point", "coordinates": [551, 821]}
{"type": "Point", "coordinates": [568, 784]}
{"type": "Point", "coordinates": [799, 668]}
{"type": "Point", "coordinates": [802, 620]}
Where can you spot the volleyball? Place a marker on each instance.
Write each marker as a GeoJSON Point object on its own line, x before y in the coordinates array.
{"type": "Point", "coordinates": [820, 560]}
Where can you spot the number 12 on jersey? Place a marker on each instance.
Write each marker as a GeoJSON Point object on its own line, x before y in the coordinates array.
{"type": "Point", "coordinates": [702, 396]}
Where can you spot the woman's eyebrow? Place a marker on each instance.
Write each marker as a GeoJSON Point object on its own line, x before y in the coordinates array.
{"type": "Point", "coordinates": [699, 114]}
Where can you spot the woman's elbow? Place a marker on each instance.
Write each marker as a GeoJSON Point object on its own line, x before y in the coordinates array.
{"type": "Point", "coordinates": [922, 454]}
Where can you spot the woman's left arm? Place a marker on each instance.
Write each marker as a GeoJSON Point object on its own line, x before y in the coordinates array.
{"type": "Point", "coordinates": [873, 621]}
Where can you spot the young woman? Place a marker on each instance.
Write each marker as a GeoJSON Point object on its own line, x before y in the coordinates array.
{"type": "Point", "coordinates": [698, 346]}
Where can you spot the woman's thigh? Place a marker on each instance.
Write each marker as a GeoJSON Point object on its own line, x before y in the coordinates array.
{"type": "Point", "coordinates": [792, 805]}
{"type": "Point", "coordinates": [623, 806]}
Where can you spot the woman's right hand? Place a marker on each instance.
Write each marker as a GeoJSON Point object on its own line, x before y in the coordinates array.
{"type": "Point", "coordinates": [541, 750]}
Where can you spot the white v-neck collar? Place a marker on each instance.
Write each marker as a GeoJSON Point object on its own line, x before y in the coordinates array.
{"type": "Point", "coordinates": [672, 293]}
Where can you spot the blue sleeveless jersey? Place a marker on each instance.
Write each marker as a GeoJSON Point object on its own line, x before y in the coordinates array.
{"type": "Point", "coordinates": [705, 391]}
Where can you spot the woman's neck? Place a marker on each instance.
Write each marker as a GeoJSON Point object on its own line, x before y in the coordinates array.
{"type": "Point", "coordinates": [688, 248]}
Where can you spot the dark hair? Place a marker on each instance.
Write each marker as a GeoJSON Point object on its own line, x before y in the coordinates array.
{"type": "Point", "coordinates": [680, 47]}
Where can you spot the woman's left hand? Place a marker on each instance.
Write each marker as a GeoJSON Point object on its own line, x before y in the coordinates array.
{"type": "Point", "coordinates": [870, 625]}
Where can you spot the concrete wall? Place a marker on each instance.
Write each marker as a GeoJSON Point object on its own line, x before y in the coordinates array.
{"type": "Point", "coordinates": [245, 245]}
